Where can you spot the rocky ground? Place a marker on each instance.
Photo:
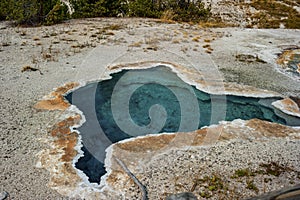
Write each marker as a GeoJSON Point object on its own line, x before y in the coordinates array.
{"type": "Point", "coordinates": [256, 14]}
{"type": "Point", "coordinates": [36, 60]}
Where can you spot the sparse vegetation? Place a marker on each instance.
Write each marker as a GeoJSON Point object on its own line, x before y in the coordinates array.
{"type": "Point", "coordinates": [136, 44]}
{"type": "Point", "coordinates": [275, 169]}
{"type": "Point", "coordinates": [252, 186]}
{"type": "Point", "coordinates": [210, 184]}
{"type": "Point", "coordinates": [269, 13]}
{"type": "Point", "coordinates": [212, 23]}
{"type": "Point", "coordinates": [221, 186]}
{"type": "Point", "coordinates": [208, 51]}
{"type": "Point", "coordinates": [196, 39]}
{"type": "Point", "coordinates": [273, 14]}
{"type": "Point", "coordinates": [176, 41]}
{"type": "Point", "coordinates": [208, 48]}
{"type": "Point", "coordinates": [37, 12]}
{"type": "Point", "coordinates": [28, 68]}
{"type": "Point", "coordinates": [33, 12]}
{"type": "Point", "coordinates": [36, 38]}
{"type": "Point", "coordinates": [168, 16]}
{"type": "Point", "coordinates": [242, 173]}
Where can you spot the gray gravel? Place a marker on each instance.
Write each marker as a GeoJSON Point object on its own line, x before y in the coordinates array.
{"type": "Point", "coordinates": [176, 171]}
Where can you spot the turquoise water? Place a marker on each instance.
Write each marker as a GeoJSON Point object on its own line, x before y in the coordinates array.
{"type": "Point", "coordinates": [149, 94]}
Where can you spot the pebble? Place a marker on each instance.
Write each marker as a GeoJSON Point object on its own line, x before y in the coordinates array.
{"type": "Point", "coordinates": [4, 195]}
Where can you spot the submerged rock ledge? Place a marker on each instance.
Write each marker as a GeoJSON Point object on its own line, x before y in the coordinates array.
{"type": "Point", "coordinates": [60, 158]}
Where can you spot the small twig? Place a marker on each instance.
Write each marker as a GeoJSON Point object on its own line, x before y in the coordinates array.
{"type": "Point", "coordinates": [134, 178]}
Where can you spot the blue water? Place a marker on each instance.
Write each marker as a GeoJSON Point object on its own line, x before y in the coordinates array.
{"type": "Point", "coordinates": [153, 93]}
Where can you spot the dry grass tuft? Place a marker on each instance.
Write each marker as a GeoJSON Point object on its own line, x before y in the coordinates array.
{"type": "Point", "coordinates": [36, 38]}
{"type": "Point", "coordinates": [168, 16]}
{"type": "Point", "coordinates": [28, 68]}
{"type": "Point", "coordinates": [196, 39]}
{"type": "Point", "coordinates": [214, 24]}
{"type": "Point", "coordinates": [136, 44]}
{"type": "Point", "coordinates": [206, 46]}
{"type": "Point", "coordinates": [176, 41]}
{"type": "Point", "coordinates": [113, 27]}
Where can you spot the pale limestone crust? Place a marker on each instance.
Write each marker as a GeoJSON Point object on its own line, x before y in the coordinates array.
{"type": "Point", "coordinates": [139, 151]}
{"type": "Point", "coordinates": [210, 83]}
{"type": "Point", "coordinates": [59, 159]}
{"type": "Point", "coordinates": [287, 106]}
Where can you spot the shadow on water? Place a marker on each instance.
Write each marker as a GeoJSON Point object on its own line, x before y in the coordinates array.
{"type": "Point", "coordinates": [149, 94]}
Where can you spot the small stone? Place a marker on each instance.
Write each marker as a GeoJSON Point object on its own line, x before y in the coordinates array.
{"type": "Point", "coordinates": [55, 41]}
{"type": "Point", "coordinates": [4, 195]}
{"type": "Point", "coordinates": [182, 196]}
{"type": "Point", "coordinates": [74, 45]}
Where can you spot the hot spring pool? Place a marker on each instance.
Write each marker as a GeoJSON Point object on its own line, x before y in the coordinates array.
{"type": "Point", "coordinates": [166, 90]}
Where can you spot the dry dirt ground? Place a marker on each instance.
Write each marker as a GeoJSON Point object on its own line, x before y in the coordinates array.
{"type": "Point", "coordinates": [36, 60]}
